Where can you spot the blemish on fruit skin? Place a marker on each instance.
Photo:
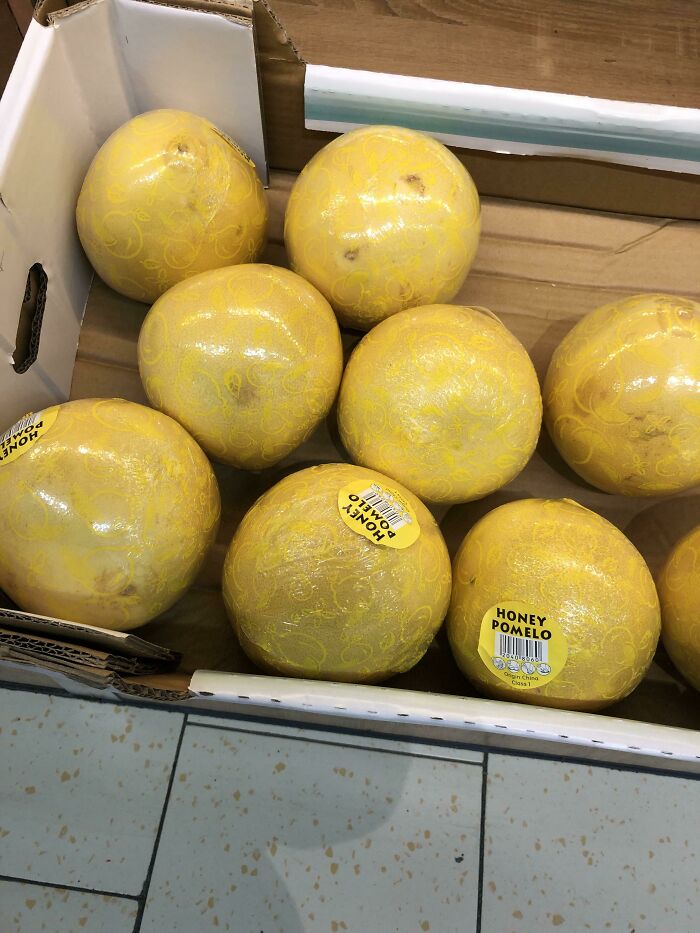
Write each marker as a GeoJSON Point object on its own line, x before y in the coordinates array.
{"type": "Point", "coordinates": [416, 182]}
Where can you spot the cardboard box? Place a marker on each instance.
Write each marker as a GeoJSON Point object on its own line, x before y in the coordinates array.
{"type": "Point", "coordinates": [540, 266]}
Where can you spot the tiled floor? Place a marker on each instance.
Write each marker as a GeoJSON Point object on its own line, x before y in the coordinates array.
{"type": "Point", "coordinates": [128, 819]}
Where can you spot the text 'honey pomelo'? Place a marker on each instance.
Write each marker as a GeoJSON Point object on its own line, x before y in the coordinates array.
{"type": "Point", "coordinates": [562, 571]}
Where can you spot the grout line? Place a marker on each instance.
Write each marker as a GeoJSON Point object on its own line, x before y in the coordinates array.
{"type": "Point", "coordinates": [166, 706]}
{"type": "Point", "coordinates": [68, 887]}
{"type": "Point", "coordinates": [315, 741]}
{"type": "Point", "coordinates": [147, 883]}
{"type": "Point", "coordinates": [482, 832]}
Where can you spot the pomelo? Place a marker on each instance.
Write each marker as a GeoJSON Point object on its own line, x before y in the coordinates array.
{"type": "Point", "coordinates": [381, 219]}
{"type": "Point", "coordinates": [443, 398]}
{"type": "Point", "coordinates": [169, 195]}
{"type": "Point", "coordinates": [556, 561]}
{"type": "Point", "coordinates": [679, 592]}
{"type": "Point", "coordinates": [107, 516]}
{"type": "Point", "coordinates": [622, 396]}
{"type": "Point", "coordinates": [313, 594]}
{"type": "Point", "coordinates": [247, 358]}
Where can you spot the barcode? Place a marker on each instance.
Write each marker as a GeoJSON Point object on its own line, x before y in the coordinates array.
{"type": "Point", "coordinates": [522, 649]}
{"type": "Point", "coordinates": [19, 427]}
{"type": "Point", "coordinates": [390, 511]}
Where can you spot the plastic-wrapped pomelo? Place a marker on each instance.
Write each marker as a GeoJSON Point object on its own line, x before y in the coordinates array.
{"type": "Point", "coordinates": [679, 592]}
{"type": "Point", "coordinates": [382, 219]}
{"type": "Point", "coordinates": [107, 510]}
{"type": "Point", "coordinates": [622, 396]}
{"type": "Point", "coordinates": [247, 358]}
{"type": "Point", "coordinates": [337, 573]}
{"type": "Point", "coordinates": [167, 196]}
{"type": "Point", "coordinates": [443, 398]}
{"type": "Point", "coordinates": [552, 605]}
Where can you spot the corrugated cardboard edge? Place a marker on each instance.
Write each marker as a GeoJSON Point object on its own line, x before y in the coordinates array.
{"type": "Point", "coordinates": [48, 11]}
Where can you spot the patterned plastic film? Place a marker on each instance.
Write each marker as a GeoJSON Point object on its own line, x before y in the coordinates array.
{"type": "Point", "coordinates": [107, 517]}
{"type": "Point", "coordinates": [445, 399]}
{"type": "Point", "coordinates": [380, 220]}
{"type": "Point", "coordinates": [168, 196]}
{"type": "Point", "coordinates": [569, 564]}
{"type": "Point", "coordinates": [308, 596]}
{"type": "Point", "coordinates": [679, 592]}
{"type": "Point", "coordinates": [622, 396]}
{"type": "Point", "coordinates": [247, 358]}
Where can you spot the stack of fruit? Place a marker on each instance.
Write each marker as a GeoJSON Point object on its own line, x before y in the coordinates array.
{"type": "Point", "coordinates": [340, 571]}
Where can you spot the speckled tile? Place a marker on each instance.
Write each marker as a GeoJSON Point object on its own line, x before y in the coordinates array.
{"type": "Point", "coordinates": [273, 833]}
{"type": "Point", "coordinates": [31, 908]}
{"type": "Point", "coordinates": [572, 847]}
{"type": "Point", "coordinates": [82, 789]}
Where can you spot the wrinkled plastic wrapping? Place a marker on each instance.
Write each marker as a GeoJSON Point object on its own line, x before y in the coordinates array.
{"type": "Point", "coordinates": [380, 220]}
{"type": "Point", "coordinates": [311, 597]}
{"type": "Point", "coordinates": [168, 196]}
{"type": "Point", "coordinates": [445, 399]}
{"type": "Point", "coordinates": [622, 396]}
{"type": "Point", "coordinates": [247, 358]}
{"type": "Point", "coordinates": [570, 564]}
{"type": "Point", "coordinates": [107, 518]}
{"type": "Point", "coordinates": [679, 592]}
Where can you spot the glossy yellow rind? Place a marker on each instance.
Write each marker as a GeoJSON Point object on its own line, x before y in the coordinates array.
{"type": "Point", "coordinates": [679, 592]}
{"type": "Point", "coordinates": [167, 196]}
{"type": "Point", "coordinates": [570, 564]}
{"type": "Point", "coordinates": [622, 396]}
{"type": "Point", "coordinates": [382, 219]}
{"type": "Point", "coordinates": [247, 358]}
{"type": "Point", "coordinates": [309, 597]}
{"type": "Point", "coordinates": [443, 398]}
{"type": "Point", "coordinates": [107, 518]}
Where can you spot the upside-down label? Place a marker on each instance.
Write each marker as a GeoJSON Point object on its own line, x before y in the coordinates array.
{"type": "Point", "coordinates": [21, 436]}
{"type": "Point", "coordinates": [378, 513]}
{"type": "Point", "coordinates": [522, 645]}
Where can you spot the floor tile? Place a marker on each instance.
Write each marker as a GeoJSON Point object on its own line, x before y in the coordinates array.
{"type": "Point", "coordinates": [273, 833]}
{"type": "Point", "coordinates": [576, 848]}
{"type": "Point", "coordinates": [31, 908]}
{"type": "Point", "coordinates": [346, 736]}
{"type": "Point", "coordinates": [82, 789]}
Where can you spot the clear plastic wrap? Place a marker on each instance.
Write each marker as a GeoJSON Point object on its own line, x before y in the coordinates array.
{"type": "Point", "coordinates": [310, 596]}
{"type": "Point", "coordinates": [107, 517]}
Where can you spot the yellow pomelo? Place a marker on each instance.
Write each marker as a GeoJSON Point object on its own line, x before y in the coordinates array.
{"type": "Point", "coordinates": [443, 398]}
{"type": "Point", "coordinates": [247, 358]}
{"type": "Point", "coordinates": [168, 195]}
{"type": "Point", "coordinates": [107, 517]}
{"type": "Point", "coordinates": [382, 219]}
{"type": "Point", "coordinates": [679, 592]}
{"type": "Point", "coordinates": [569, 565]}
{"type": "Point", "coordinates": [622, 396]}
{"type": "Point", "coordinates": [310, 597]}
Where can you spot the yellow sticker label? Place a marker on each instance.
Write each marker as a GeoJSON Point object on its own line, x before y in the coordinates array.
{"type": "Point", "coordinates": [21, 436]}
{"type": "Point", "coordinates": [522, 645]}
{"type": "Point", "coordinates": [378, 513]}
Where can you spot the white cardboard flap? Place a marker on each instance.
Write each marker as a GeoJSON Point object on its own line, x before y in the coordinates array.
{"type": "Point", "coordinates": [74, 82]}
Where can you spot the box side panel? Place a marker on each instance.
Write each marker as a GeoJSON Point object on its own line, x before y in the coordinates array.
{"type": "Point", "coordinates": [196, 61]}
{"type": "Point", "coordinates": [46, 145]}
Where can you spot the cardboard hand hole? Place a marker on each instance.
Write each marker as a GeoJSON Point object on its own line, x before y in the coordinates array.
{"type": "Point", "coordinates": [30, 318]}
